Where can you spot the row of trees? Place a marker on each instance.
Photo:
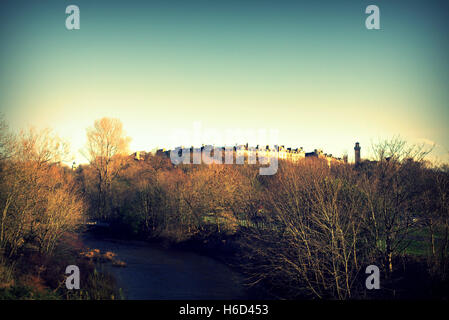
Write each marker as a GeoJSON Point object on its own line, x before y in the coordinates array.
{"type": "Point", "coordinates": [39, 201]}
{"type": "Point", "coordinates": [328, 224]}
{"type": "Point", "coordinates": [154, 197]}
{"type": "Point", "coordinates": [308, 231]}
{"type": "Point", "coordinates": [310, 228]}
{"type": "Point", "coordinates": [41, 210]}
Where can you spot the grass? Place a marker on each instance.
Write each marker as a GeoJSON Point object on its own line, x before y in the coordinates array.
{"type": "Point", "coordinates": [99, 285]}
{"type": "Point", "coordinates": [35, 276]}
{"type": "Point", "coordinates": [420, 242]}
{"type": "Point", "coordinates": [26, 293]}
{"type": "Point", "coordinates": [418, 248]}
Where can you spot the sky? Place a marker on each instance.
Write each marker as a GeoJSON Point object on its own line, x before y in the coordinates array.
{"type": "Point", "coordinates": [308, 69]}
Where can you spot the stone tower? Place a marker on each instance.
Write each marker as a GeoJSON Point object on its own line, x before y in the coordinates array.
{"type": "Point", "coordinates": [357, 153]}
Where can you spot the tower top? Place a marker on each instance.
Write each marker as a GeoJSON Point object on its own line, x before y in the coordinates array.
{"type": "Point", "coordinates": [357, 153]}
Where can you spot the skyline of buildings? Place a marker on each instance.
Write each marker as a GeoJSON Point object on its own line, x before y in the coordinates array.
{"type": "Point", "coordinates": [281, 152]}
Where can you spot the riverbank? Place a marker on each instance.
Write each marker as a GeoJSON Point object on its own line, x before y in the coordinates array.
{"type": "Point", "coordinates": [33, 275]}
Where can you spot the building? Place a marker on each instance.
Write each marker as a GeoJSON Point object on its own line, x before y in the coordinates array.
{"type": "Point", "coordinates": [245, 154]}
{"type": "Point", "coordinates": [139, 155]}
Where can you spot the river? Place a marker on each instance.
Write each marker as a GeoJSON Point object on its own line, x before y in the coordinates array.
{"type": "Point", "coordinates": [156, 273]}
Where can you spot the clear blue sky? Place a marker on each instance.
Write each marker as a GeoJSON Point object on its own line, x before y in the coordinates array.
{"type": "Point", "coordinates": [307, 68]}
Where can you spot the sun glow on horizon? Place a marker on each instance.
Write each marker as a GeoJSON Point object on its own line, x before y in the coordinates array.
{"type": "Point", "coordinates": [317, 76]}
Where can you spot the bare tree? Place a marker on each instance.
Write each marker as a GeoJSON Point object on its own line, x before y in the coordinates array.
{"type": "Point", "coordinates": [107, 147]}
{"type": "Point", "coordinates": [391, 193]}
{"type": "Point", "coordinates": [313, 246]}
{"type": "Point", "coordinates": [38, 201]}
{"type": "Point", "coordinates": [440, 217]}
{"type": "Point", "coordinates": [6, 140]}
{"type": "Point", "coordinates": [42, 147]}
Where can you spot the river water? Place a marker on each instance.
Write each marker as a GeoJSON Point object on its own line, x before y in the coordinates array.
{"type": "Point", "coordinates": [156, 273]}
